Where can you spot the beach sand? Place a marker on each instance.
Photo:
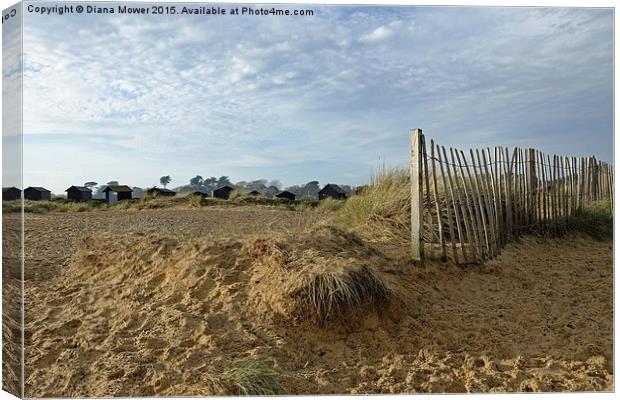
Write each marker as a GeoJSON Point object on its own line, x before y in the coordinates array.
{"type": "Point", "coordinates": [159, 302]}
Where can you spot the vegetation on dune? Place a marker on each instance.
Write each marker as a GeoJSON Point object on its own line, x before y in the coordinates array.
{"type": "Point", "coordinates": [326, 293]}
{"type": "Point", "coordinates": [595, 219]}
{"type": "Point", "coordinates": [382, 210]}
{"type": "Point", "coordinates": [149, 202]}
{"type": "Point", "coordinates": [251, 376]}
{"type": "Point", "coordinates": [322, 276]}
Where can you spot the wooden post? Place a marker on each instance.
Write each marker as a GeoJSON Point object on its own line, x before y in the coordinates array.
{"type": "Point", "coordinates": [417, 223]}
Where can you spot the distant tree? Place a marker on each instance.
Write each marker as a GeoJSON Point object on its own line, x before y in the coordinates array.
{"type": "Point", "coordinates": [271, 191]}
{"type": "Point", "coordinates": [223, 181]}
{"type": "Point", "coordinates": [311, 190]}
{"type": "Point", "coordinates": [210, 184]}
{"type": "Point", "coordinates": [165, 180]}
{"type": "Point", "coordinates": [274, 182]}
{"type": "Point", "coordinates": [258, 185]}
{"type": "Point", "coordinates": [90, 185]}
{"type": "Point", "coordinates": [112, 183]}
{"type": "Point", "coordinates": [297, 190]}
{"type": "Point", "coordinates": [196, 181]}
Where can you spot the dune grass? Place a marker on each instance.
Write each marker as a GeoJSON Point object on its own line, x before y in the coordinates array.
{"type": "Point", "coordinates": [326, 294]}
{"type": "Point", "coordinates": [382, 210]}
{"type": "Point", "coordinates": [251, 376]}
{"type": "Point", "coordinates": [595, 219]}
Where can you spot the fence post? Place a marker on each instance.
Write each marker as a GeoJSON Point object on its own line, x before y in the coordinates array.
{"type": "Point", "coordinates": [417, 225]}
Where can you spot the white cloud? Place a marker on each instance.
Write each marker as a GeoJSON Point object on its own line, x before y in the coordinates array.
{"type": "Point", "coordinates": [378, 35]}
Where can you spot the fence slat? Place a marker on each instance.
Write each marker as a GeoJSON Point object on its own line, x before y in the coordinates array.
{"type": "Point", "coordinates": [508, 189]}
{"type": "Point", "coordinates": [471, 207]}
{"type": "Point", "coordinates": [448, 205]}
{"type": "Point", "coordinates": [442, 241]}
{"type": "Point", "coordinates": [466, 222]}
{"type": "Point", "coordinates": [543, 176]}
{"type": "Point", "coordinates": [484, 174]}
{"type": "Point", "coordinates": [480, 202]}
{"type": "Point", "coordinates": [428, 196]}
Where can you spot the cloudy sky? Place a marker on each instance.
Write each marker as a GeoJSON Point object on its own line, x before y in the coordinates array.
{"type": "Point", "coordinates": [327, 97]}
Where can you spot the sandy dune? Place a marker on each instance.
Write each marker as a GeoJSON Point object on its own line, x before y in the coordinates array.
{"type": "Point", "coordinates": [137, 310]}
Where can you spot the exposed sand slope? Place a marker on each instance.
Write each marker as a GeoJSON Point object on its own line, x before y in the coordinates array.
{"type": "Point", "coordinates": [150, 315]}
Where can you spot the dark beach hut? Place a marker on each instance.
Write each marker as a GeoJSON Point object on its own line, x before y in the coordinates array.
{"type": "Point", "coordinates": [160, 192]}
{"type": "Point", "coordinates": [255, 193]}
{"type": "Point", "coordinates": [37, 193]}
{"type": "Point", "coordinates": [114, 193]}
{"type": "Point", "coordinates": [332, 191]}
{"type": "Point", "coordinates": [223, 192]}
{"type": "Point", "coordinates": [286, 195]}
{"type": "Point", "coordinates": [11, 193]}
{"type": "Point", "coordinates": [79, 193]}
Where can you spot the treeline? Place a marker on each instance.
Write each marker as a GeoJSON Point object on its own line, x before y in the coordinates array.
{"type": "Point", "coordinates": [268, 188]}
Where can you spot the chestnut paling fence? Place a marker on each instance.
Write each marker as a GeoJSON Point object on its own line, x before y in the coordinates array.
{"type": "Point", "coordinates": [467, 206]}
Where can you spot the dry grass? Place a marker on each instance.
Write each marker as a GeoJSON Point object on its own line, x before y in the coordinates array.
{"type": "Point", "coordinates": [324, 294]}
{"type": "Point", "coordinates": [596, 220]}
{"type": "Point", "coordinates": [148, 202]}
{"type": "Point", "coordinates": [325, 275]}
{"type": "Point", "coordinates": [250, 376]}
{"type": "Point", "coordinates": [381, 211]}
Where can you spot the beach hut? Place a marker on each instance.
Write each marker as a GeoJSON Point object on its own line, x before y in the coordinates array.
{"type": "Point", "coordinates": [11, 193]}
{"type": "Point", "coordinates": [160, 192]}
{"type": "Point", "coordinates": [286, 195]}
{"type": "Point", "coordinates": [79, 193]}
{"type": "Point", "coordinates": [114, 193]}
{"type": "Point", "coordinates": [332, 191]}
{"type": "Point", "coordinates": [223, 192]}
{"type": "Point", "coordinates": [37, 193]}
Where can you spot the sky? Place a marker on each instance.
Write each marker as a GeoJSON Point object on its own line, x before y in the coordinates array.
{"type": "Point", "coordinates": [328, 97]}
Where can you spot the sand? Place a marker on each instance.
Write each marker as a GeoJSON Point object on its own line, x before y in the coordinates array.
{"type": "Point", "coordinates": [119, 305]}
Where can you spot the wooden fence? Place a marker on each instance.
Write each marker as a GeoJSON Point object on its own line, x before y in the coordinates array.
{"type": "Point", "coordinates": [466, 209]}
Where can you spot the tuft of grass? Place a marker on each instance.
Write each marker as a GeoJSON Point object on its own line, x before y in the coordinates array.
{"type": "Point", "coordinates": [595, 219]}
{"type": "Point", "coordinates": [330, 293]}
{"type": "Point", "coordinates": [251, 376]}
{"type": "Point", "coordinates": [325, 276]}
